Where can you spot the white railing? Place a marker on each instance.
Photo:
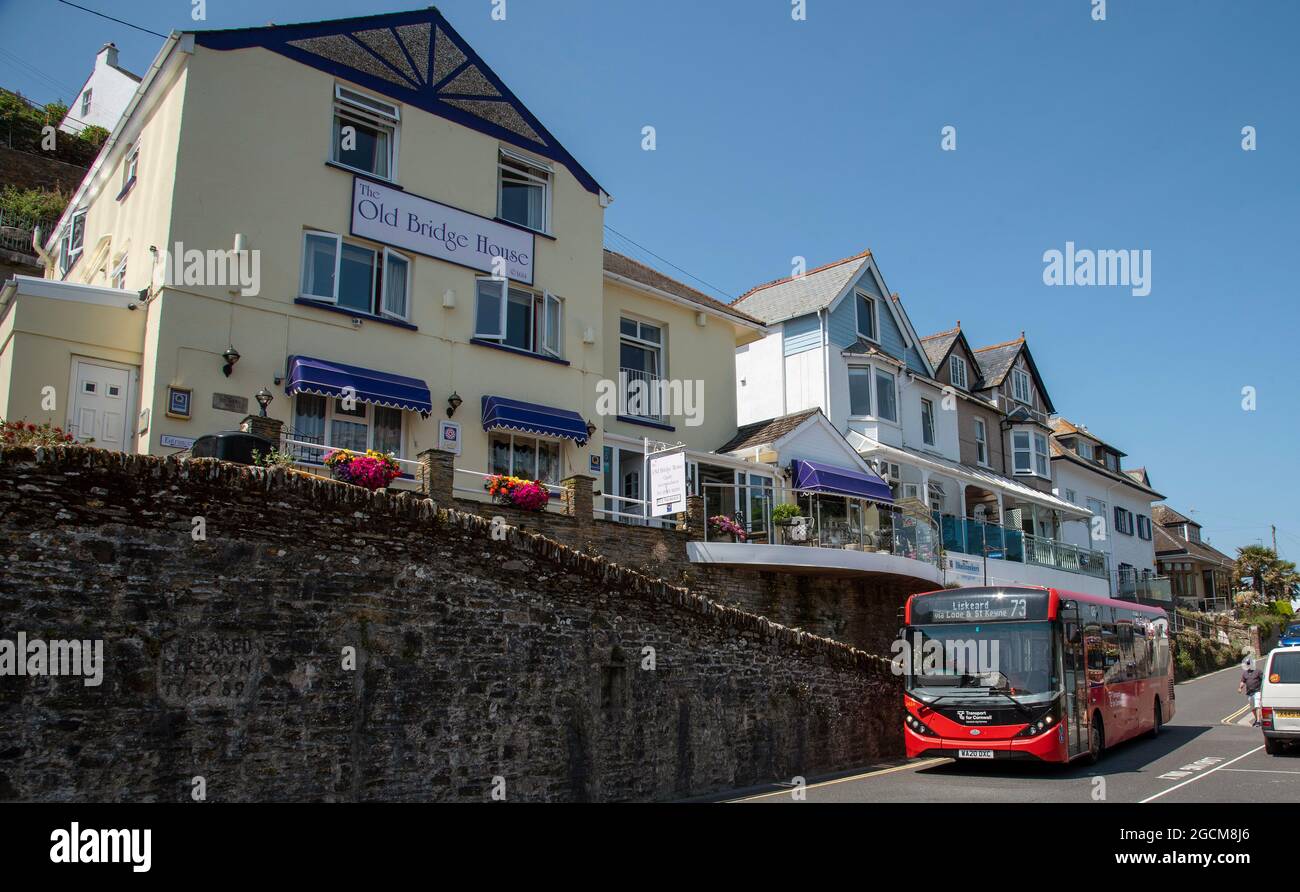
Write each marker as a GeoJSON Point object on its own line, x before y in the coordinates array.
{"type": "Point", "coordinates": [641, 393]}
{"type": "Point", "coordinates": [638, 514]}
{"type": "Point", "coordinates": [311, 457]}
{"type": "Point", "coordinates": [479, 491]}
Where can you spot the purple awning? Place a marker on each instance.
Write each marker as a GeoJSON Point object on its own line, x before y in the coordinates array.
{"type": "Point", "coordinates": [818, 477]}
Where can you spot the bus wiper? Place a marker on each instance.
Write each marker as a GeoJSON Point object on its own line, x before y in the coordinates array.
{"type": "Point", "coordinates": [1020, 706]}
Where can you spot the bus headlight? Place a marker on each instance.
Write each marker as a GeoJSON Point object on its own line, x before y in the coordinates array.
{"type": "Point", "coordinates": [1038, 726]}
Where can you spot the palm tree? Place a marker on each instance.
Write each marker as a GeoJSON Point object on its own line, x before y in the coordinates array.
{"type": "Point", "coordinates": [1281, 580]}
{"type": "Point", "coordinates": [1254, 562]}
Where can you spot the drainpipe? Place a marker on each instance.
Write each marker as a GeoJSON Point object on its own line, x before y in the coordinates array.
{"type": "Point", "coordinates": [39, 245]}
{"type": "Point", "coordinates": [823, 320]}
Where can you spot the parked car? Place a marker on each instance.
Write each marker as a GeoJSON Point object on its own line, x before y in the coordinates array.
{"type": "Point", "coordinates": [1290, 635]}
{"type": "Point", "coordinates": [1279, 702]}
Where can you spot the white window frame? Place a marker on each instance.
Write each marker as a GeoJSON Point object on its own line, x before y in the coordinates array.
{"type": "Point", "coordinates": [869, 372]}
{"type": "Point", "coordinates": [549, 346]}
{"type": "Point", "coordinates": [363, 108]}
{"type": "Point", "coordinates": [1144, 522]}
{"type": "Point", "coordinates": [368, 421]}
{"type": "Point", "coordinates": [546, 183]}
{"type": "Point", "coordinates": [1042, 457]}
{"type": "Point", "coordinates": [654, 411]}
{"type": "Point", "coordinates": [512, 437]}
{"type": "Point", "coordinates": [1070, 496]}
{"type": "Point", "coordinates": [1020, 381]}
{"type": "Point", "coordinates": [85, 102]}
{"type": "Point", "coordinates": [927, 411]}
{"type": "Point", "coordinates": [118, 278]}
{"type": "Point", "coordinates": [858, 297]}
{"type": "Point", "coordinates": [955, 378]}
{"type": "Point", "coordinates": [68, 255]}
{"type": "Point", "coordinates": [378, 281]}
{"type": "Point", "coordinates": [981, 442]}
{"type": "Point", "coordinates": [131, 168]}
{"type": "Point", "coordinates": [875, 394]}
{"type": "Point", "coordinates": [1027, 450]}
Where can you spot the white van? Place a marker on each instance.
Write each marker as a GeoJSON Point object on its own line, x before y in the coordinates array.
{"type": "Point", "coordinates": [1279, 713]}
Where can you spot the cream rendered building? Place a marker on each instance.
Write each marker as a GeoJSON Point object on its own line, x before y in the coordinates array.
{"type": "Point", "coordinates": [421, 242]}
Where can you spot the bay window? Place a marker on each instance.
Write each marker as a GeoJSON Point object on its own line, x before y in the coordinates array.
{"type": "Point", "coordinates": [365, 133]}
{"type": "Point", "coordinates": [860, 392]}
{"type": "Point", "coordinates": [519, 455]}
{"type": "Point", "coordinates": [374, 281]}
{"type": "Point", "coordinates": [886, 396]}
{"type": "Point", "coordinates": [516, 317]}
{"type": "Point", "coordinates": [333, 424]}
{"type": "Point", "coordinates": [1029, 453]}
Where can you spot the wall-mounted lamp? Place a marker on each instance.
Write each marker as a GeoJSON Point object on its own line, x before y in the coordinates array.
{"type": "Point", "coordinates": [231, 356]}
{"type": "Point", "coordinates": [453, 403]}
{"type": "Point", "coordinates": [449, 298]}
{"type": "Point", "coordinates": [591, 428]}
{"type": "Point", "coordinates": [263, 398]}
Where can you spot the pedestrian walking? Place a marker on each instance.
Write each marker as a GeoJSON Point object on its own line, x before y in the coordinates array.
{"type": "Point", "coordinates": [1251, 681]}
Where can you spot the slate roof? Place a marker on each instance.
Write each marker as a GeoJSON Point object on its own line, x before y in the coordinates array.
{"type": "Point", "coordinates": [790, 297]}
{"type": "Point", "coordinates": [761, 433]}
{"type": "Point", "coordinates": [937, 345]}
{"type": "Point", "coordinates": [1170, 546]}
{"type": "Point", "coordinates": [1060, 452]}
{"type": "Point", "coordinates": [995, 362]}
{"type": "Point", "coordinates": [1166, 516]}
{"type": "Point", "coordinates": [1065, 427]}
{"type": "Point", "coordinates": [863, 347]}
{"type": "Point", "coordinates": [622, 265]}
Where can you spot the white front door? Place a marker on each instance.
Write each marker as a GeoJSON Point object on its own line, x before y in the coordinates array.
{"type": "Point", "coordinates": [100, 403]}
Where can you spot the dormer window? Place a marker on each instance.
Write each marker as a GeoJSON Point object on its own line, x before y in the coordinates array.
{"type": "Point", "coordinates": [1020, 388]}
{"type": "Point", "coordinates": [866, 315]}
{"type": "Point", "coordinates": [1084, 449]}
{"type": "Point", "coordinates": [957, 372]}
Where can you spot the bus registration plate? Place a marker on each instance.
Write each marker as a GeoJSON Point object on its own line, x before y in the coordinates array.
{"type": "Point", "coordinates": [974, 754]}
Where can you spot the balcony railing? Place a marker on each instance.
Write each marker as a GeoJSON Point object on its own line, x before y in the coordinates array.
{"type": "Point", "coordinates": [16, 232]}
{"type": "Point", "coordinates": [979, 539]}
{"type": "Point", "coordinates": [1144, 588]}
{"type": "Point", "coordinates": [825, 521]}
{"type": "Point", "coordinates": [641, 394]}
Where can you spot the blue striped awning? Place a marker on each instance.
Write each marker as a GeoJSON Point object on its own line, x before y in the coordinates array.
{"type": "Point", "coordinates": [818, 477]}
{"type": "Point", "coordinates": [503, 413]}
{"type": "Point", "coordinates": [325, 378]}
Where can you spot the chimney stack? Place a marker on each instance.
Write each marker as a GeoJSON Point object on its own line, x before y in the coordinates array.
{"type": "Point", "coordinates": [108, 52]}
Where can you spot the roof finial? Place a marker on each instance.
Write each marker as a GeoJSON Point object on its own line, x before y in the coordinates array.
{"type": "Point", "coordinates": [959, 325]}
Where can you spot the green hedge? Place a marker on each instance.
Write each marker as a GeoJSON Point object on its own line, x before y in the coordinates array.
{"type": "Point", "coordinates": [1195, 655]}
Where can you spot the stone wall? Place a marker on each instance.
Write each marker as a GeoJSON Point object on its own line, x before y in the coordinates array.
{"type": "Point", "coordinates": [475, 659]}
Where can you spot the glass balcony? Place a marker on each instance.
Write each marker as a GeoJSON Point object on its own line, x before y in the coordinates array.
{"type": "Point", "coordinates": [979, 539]}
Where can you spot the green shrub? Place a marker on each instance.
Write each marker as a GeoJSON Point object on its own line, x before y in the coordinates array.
{"type": "Point", "coordinates": [36, 205]}
{"type": "Point", "coordinates": [783, 512]}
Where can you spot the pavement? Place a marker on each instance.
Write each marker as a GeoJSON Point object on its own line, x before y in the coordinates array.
{"type": "Point", "coordinates": [1208, 752]}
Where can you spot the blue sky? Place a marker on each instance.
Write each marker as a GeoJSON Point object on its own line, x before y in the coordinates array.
{"type": "Point", "coordinates": [820, 138]}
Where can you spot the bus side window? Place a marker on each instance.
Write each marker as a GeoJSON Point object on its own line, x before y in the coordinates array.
{"type": "Point", "coordinates": [1142, 655]}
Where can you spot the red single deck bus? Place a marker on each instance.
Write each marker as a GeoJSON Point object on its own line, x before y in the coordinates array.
{"type": "Point", "coordinates": [1022, 672]}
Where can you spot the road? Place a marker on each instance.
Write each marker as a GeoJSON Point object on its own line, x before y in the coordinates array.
{"type": "Point", "coordinates": [1207, 753]}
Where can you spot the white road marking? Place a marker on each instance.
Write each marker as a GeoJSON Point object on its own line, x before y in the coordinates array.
{"type": "Point", "coordinates": [1261, 771]}
{"type": "Point", "coordinates": [1200, 776]}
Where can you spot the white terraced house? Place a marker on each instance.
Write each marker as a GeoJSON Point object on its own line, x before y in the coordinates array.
{"type": "Point", "coordinates": [959, 436]}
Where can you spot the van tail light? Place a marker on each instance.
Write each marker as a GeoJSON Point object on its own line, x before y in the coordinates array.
{"type": "Point", "coordinates": [1274, 679]}
{"type": "Point", "coordinates": [1266, 717]}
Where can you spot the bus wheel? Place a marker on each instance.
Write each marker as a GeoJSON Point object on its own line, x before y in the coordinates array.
{"type": "Point", "coordinates": [1155, 729]}
{"type": "Point", "coordinates": [1096, 739]}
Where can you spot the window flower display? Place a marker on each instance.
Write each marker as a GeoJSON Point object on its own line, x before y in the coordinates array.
{"type": "Point", "coordinates": [530, 495]}
{"type": "Point", "coordinates": [372, 470]}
